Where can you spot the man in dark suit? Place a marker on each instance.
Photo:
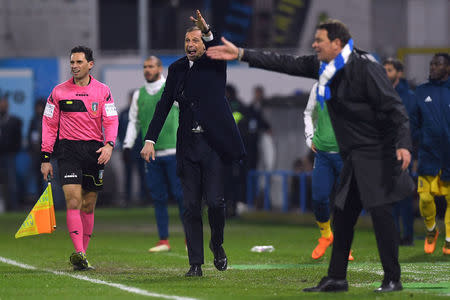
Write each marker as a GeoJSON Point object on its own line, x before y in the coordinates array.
{"type": "Point", "coordinates": [372, 130]}
{"type": "Point", "coordinates": [207, 138]}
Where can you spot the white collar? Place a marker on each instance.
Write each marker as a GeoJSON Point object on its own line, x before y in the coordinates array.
{"type": "Point", "coordinates": [154, 87]}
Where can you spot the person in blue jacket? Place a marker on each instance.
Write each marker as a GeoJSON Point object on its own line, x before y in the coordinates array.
{"type": "Point", "coordinates": [430, 124]}
{"type": "Point", "coordinates": [403, 209]}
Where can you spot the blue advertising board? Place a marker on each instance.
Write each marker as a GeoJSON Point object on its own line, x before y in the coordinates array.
{"type": "Point", "coordinates": [45, 72]}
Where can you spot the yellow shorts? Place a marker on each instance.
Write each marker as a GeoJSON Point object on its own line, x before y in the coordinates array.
{"type": "Point", "coordinates": [433, 185]}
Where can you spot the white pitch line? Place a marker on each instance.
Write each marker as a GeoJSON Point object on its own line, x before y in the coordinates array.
{"type": "Point", "coordinates": [122, 287]}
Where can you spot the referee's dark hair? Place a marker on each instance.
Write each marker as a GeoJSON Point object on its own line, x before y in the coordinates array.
{"type": "Point", "coordinates": [83, 49]}
{"type": "Point", "coordinates": [396, 63]}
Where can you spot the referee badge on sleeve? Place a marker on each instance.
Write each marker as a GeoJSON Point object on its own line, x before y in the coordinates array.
{"type": "Point", "coordinates": [110, 110]}
{"type": "Point", "coordinates": [49, 109]}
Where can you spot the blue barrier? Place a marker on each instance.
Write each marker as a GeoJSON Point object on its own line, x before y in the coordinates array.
{"type": "Point", "coordinates": [252, 182]}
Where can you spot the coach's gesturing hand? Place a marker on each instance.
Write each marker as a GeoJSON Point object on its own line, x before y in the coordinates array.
{"type": "Point", "coordinates": [404, 156]}
{"type": "Point", "coordinates": [148, 151]}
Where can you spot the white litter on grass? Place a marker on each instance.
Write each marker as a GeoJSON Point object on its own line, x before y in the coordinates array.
{"type": "Point", "coordinates": [269, 248]}
{"type": "Point", "coordinates": [120, 286]}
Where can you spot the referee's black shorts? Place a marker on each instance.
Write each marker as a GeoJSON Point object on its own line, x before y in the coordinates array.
{"type": "Point", "coordinates": [77, 162]}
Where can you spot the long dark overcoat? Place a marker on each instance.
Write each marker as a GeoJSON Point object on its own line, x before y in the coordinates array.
{"type": "Point", "coordinates": [200, 92]}
{"type": "Point", "coordinates": [369, 120]}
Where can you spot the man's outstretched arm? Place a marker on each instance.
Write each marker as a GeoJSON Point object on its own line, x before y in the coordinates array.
{"type": "Point", "coordinates": [304, 66]}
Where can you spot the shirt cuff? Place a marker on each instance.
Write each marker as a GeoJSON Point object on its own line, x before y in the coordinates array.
{"type": "Point", "coordinates": [208, 38]}
{"type": "Point", "coordinates": [150, 141]}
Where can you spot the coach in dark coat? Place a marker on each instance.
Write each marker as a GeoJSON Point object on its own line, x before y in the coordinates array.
{"type": "Point", "coordinates": [372, 130]}
{"type": "Point", "coordinates": [207, 139]}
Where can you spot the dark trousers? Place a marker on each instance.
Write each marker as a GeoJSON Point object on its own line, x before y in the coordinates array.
{"type": "Point", "coordinates": [203, 178]}
{"type": "Point", "coordinates": [385, 233]}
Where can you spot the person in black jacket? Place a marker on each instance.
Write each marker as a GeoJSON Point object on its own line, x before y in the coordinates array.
{"type": "Point", "coordinates": [403, 209]}
{"type": "Point", "coordinates": [34, 144]}
{"type": "Point", "coordinates": [207, 138]}
{"type": "Point", "coordinates": [372, 131]}
{"type": "Point", "coordinates": [10, 143]}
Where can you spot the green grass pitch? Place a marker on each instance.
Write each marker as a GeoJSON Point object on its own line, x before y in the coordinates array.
{"type": "Point", "coordinates": [125, 270]}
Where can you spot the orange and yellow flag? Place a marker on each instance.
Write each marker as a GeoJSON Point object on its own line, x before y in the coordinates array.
{"type": "Point", "coordinates": [41, 219]}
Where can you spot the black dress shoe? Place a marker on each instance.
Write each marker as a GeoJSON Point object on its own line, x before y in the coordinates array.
{"type": "Point", "coordinates": [194, 271]}
{"type": "Point", "coordinates": [328, 284]}
{"type": "Point", "coordinates": [220, 258]}
{"type": "Point", "coordinates": [390, 286]}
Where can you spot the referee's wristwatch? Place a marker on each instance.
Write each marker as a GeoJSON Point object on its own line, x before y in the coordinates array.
{"type": "Point", "coordinates": [111, 144]}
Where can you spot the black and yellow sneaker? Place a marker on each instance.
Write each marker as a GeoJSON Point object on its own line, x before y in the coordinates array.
{"type": "Point", "coordinates": [80, 262]}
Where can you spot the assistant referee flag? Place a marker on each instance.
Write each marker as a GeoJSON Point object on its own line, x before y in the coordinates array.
{"type": "Point", "coordinates": [41, 219]}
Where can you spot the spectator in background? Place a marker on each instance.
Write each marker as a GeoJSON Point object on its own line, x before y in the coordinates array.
{"type": "Point", "coordinates": [34, 144]}
{"type": "Point", "coordinates": [259, 96]}
{"type": "Point", "coordinates": [252, 125]}
{"type": "Point", "coordinates": [34, 150]}
{"type": "Point", "coordinates": [430, 124]}
{"type": "Point", "coordinates": [235, 180]}
{"type": "Point", "coordinates": [252, 128]}
{"type": "Point", "coordinates": [10, 143]}
{"type": "Point", "coordinates": [161, 173]}
{"type": "Point", "coordinates": [302, 164]}
{"type": "Point", "coordinates": [236, 104]}
{"type": "Point", "coordinates": [404, 208]}
{"type": "Point", "coordinates": [320, 138]}
{"type": "Point", "coordinates": [131, 158]}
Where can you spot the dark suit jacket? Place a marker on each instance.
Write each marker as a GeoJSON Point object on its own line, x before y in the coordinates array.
{"type": "Point", "coordinates": [369, 120]}
{"type": "Point", "coordinates": [200, 92]}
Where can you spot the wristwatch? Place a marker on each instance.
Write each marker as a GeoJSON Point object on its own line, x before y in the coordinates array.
{"type": "Point", "coordinates": [111, 144]}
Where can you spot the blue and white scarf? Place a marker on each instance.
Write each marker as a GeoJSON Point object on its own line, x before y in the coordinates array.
{"type": "Point", "coordinates": [328, 70]}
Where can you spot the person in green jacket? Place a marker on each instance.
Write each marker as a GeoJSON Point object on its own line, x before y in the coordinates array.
{"type": "Point", "coordinates": [160, 174]}
{"type": "Point", "coordinates": [320, 138]}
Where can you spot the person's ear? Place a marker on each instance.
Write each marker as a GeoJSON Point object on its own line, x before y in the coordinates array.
{"type": "Point", "coordinates": [337, 44]}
